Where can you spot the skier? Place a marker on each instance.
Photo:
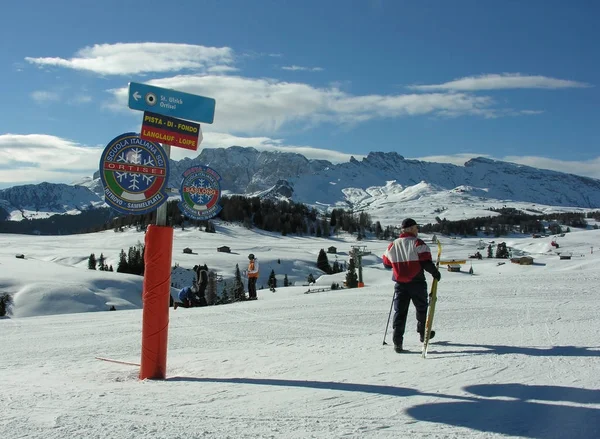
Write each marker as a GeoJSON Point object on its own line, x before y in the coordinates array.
{"type": "Point", "coordinates": [408, 256]}
{"type": "Point", "coordinates": [252, 274]}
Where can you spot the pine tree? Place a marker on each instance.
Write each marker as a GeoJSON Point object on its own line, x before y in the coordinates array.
{"type": "Point", "coordinates": [238, 285]}
{"type": "Point", "coordinates": [286, 282]}
{"type": "Point", "coordinates": [6, 302]}
{"type": "Point", "coordinates": [210, 227]}
{"type": "Point", "coordinates": [351, 276]}
{"type": "Point", "coordinates": [92, 262]}
{"type": "Point", "coordinates": [501, 251]}
{"type": "Point", "coordinates": [272, 282]}
{"type": "Point", "coordinates": [123, 266]}
{"type": "Point", "coordinates": [323, 262]}
{"type": "Point", "coordinates": [225, 296]}
{"type": "Point", "coordinates": [132, 260]}
{"type": "Point", "coordinates": [310, 279]}
{"type": "Point", "coordinates": [379, 230]}
{"type": "Point", "coordinates": [101, 260]}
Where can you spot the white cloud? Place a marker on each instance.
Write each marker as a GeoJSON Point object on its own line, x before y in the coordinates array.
{"type": "Point", "coordinates": [588, 168]}
{"type": "Point", "coordinates": [306, 69]}
{"type": "Point", "coordinates": [224, 140]}
{"type": "Point", "coordinates": [80, 99]}
{"type": "Point", "coordinates": [42, 96]}
{"type": "Point", "coordinates": [40, 157]}
{"type": "Point", "coordinates": [222, 69]}
{"type": "Point", "coordinates": [136, 58]}
{"type": "Point", "coordinates": [262, 106]}
{"type": "Point", "coordinates": [499, 82]}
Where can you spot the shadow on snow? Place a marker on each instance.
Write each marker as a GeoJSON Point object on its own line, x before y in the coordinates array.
{"type": "Point", "coordinates": [553, 351]}
{"type": "Point", "coordinates": [522, 415]}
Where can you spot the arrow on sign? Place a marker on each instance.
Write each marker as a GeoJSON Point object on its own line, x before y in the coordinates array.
{"type": "Point", "coordinates": [136, 96]}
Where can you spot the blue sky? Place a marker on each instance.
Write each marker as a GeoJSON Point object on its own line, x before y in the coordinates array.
{"type": "Point", "coordinates": [433, 80]}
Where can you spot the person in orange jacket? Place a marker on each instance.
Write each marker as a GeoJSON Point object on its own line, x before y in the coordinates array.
{"type": "Point", "coordinates": [252, 276]}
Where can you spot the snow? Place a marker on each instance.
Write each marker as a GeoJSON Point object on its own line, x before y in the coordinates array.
{"type": "Point", "coordinates": [516, 353]}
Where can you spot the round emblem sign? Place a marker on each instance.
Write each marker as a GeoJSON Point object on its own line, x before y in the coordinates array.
{"type": "Point", "coordinates": [134, 173]}
{"type": "Point", "coordinates": [200, 192]}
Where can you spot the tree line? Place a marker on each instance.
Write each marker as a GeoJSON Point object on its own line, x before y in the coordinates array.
{"type": "Point", "coordinates": [509, 221]}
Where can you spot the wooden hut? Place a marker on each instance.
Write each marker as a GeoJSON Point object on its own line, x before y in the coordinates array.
{"type": "Point", "coordinates": [523, 260]}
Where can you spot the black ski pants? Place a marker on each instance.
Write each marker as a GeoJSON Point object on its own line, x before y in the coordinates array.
{"type": "Point", "coordinates": [252, 287]}
{"type": "Point", "coordinates": [403, 294]}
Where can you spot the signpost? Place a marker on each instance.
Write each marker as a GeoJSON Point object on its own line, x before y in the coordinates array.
{"type": "Point", "coordinates": [169, 102]}
{"type": "Point", "coordinates": [172, 131]}
{"type": "Point", "coordinates": [164, 110]}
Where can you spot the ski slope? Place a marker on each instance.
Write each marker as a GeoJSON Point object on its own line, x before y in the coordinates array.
{"type": "Point", "coordinates": [516, 354]}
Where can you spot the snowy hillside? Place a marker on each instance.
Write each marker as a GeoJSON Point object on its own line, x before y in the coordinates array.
{"type": "Point", "coordinates": [45, 199]}
{"type": "Point", "coordinates": [384, 184]}
{"type": "Point", "coordinates": [515, 355]}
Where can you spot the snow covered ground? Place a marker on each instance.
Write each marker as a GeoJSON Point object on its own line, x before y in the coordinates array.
{"type": "Point", "coordinates": [517, 351]}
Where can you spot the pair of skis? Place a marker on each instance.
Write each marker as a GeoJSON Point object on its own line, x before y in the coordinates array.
{"type": "Point", "coordinates": [431, 308]}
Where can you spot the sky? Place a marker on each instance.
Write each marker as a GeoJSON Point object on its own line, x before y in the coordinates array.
{"type": "Point", "coordinates": [515, 352]}
{"type": "Point", "coordinates": [432, 80]}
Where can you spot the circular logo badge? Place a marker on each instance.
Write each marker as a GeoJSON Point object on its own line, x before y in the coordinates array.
{"type": "Point", "coordinates": [200, 192]}
{"type": "Point", "coordinates": [134, 173]}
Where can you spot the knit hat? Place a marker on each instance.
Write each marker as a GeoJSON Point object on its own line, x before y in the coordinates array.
{"type": "Point", "coordinates": [408, 222]}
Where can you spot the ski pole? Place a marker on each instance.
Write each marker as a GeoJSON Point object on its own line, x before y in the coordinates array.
{"type": "Point", "coordinates": [388, 320]}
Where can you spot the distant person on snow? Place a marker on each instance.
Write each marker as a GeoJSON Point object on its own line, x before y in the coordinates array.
{"type": "Point", "coordinates": [185, 298]}
{"type": "Point", "coordinates": [202, 281]}
{"type": "Point", "coordinates": [252, 274]}
{"type": "Point", "coordinates": [188, 298]}
{"type": "Point", "coordinates": [408, 256]}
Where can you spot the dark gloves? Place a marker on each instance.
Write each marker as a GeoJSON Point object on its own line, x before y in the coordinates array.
{"type": "Point", "coordinates": [437, 276]}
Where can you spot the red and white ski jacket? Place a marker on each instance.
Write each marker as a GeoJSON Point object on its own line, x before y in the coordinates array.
{"type": "Point", "coordinates": [408, 256]}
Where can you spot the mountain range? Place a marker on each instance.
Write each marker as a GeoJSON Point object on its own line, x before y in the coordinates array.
{"type": "Point", "coordinates": [386, 185]}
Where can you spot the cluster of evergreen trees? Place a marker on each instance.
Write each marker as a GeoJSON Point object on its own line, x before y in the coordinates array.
{"type": "Point", "coordinates": [285, 217]}
{"type": "Point", "coordinates": [99, 263]}
{"type": "Point", "coordinates": [88, 221]}
{"type": "Point", "coordinates": [131, 262]}
{"type": "Point", "coordinates": [510, 220]}
{"type": "Point", "coordinates": [325, 267]}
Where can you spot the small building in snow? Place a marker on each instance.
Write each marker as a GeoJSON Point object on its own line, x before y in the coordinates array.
{"type": "Point", "coordinates": [523, 260]}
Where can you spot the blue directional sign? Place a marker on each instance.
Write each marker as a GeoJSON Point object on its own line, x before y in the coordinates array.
{"type": "Point", "coordinates": [169, 102]}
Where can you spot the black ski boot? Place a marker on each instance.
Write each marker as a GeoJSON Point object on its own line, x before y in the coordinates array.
{"type": "Point", "coordinates": [422, 336]}
{"type": "Point", "coordinates": [398, 344]}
